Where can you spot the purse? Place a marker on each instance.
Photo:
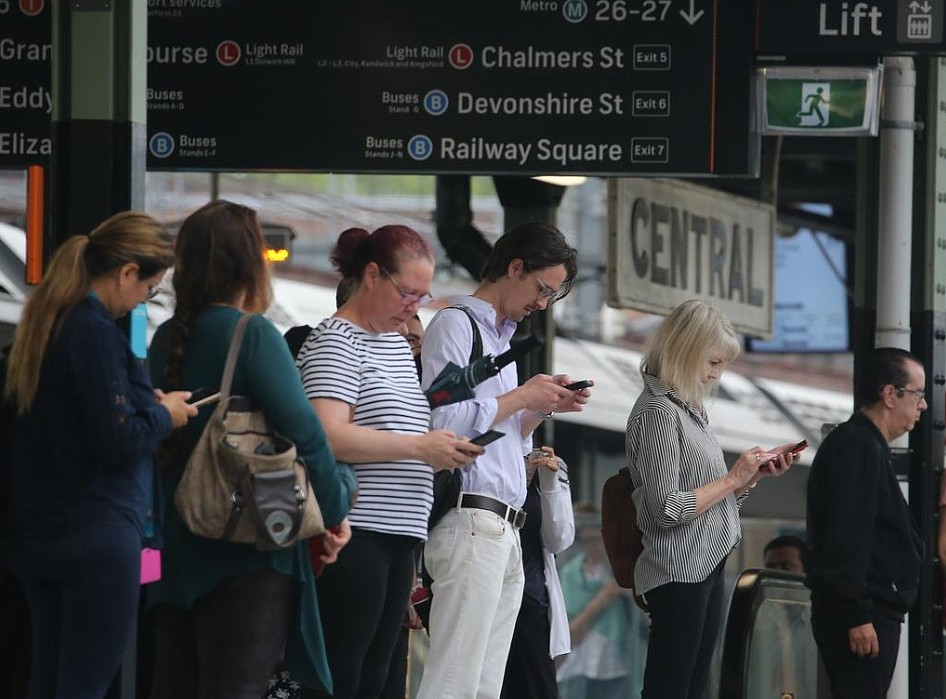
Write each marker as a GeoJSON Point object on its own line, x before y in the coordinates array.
{"type": "Point", "coordinates": [244, 483]}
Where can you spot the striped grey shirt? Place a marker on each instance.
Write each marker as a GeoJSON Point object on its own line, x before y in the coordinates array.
{"type": "Point", "coordinates": [670, 453]}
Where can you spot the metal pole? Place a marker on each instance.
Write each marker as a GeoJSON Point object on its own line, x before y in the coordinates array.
{"type": "Point", "coordinates": [894, 250]}
{"type": "Point", "coordinates": [895, 206]}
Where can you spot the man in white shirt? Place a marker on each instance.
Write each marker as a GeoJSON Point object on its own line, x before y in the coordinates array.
{"type": "Point", "coordinates": [473, 553]}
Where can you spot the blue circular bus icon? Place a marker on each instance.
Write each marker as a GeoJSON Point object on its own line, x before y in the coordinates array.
{"type": "Point", "coordinates": [161, 144]}
{"type": "Point", "coordinates": [420, 147]}
{"type": "Point", "coordinates": [436, 102]}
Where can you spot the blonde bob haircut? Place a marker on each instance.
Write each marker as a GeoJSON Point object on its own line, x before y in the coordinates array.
{"type": "Point", "coordinates": [692, 334]}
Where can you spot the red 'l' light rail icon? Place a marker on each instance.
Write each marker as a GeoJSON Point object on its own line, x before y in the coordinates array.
{"type": "Point", "coordinates": [32, 7]}
{"type": "Point", "coordinates": [461, 56]}
{"type": "Point", "coordinates": [228, 53]}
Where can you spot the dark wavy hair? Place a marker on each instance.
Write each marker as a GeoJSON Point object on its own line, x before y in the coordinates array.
{"type": "Point", "coordinates": [220, 255]}
{"type": "Point", "coordinates": [539, 245]}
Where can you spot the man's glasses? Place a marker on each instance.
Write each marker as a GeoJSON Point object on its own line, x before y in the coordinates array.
{"type": "Point", "coordinates": [918, 393]}
{"type": "Point", "coordinates": [546, 292]}
{"type": "Point", "coordinates": [408, 298]}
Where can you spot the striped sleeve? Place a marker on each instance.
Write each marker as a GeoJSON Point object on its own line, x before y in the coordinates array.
{"type": "Point", "coordinates": [330, 362]}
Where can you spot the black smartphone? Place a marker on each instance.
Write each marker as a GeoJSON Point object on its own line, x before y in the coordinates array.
{"type": "Point", "coordinates": [578, 385]}
{"type": "Point", "coordinates": [202, 396]}
{"type": "Point", "coordinates": [487, 437]}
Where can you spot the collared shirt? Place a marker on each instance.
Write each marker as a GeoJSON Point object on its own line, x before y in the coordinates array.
{"type": "Point", "coordinates": [498, 473]}
{"type": "Point", "coordinates": [671, 452]}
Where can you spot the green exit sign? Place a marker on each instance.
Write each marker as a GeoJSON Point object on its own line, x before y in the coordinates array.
{"type": "Point", "coordinates": [819, 101]}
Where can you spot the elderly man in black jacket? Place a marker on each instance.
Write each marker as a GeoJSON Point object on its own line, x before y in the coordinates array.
{"type": "Point", "coordinates": [865, 549]}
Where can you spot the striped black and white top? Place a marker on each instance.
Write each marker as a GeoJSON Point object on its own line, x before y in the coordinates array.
{"type": "Point", "coordinates": [376, 374]}
{"type": "Point", "coordinates": [671, 452]}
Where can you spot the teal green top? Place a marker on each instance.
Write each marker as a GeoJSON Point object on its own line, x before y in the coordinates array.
{"type": "Point", "coordinates": [193, 566]}
{"type": "Point", "coordinates": [579, 590]}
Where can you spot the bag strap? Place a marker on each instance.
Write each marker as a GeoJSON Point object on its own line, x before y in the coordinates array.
{"type": "Point", "coordinates": [477, 350]}
{"type": "Point", "coordinates": [230, 365]}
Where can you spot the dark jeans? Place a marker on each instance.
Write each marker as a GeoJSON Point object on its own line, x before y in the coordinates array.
{"type": "Point", "coordinates": [530, 672]}
{"type": "Point", "coordinates": [229, 644]}
{"type": "Point", "coordinates": [684, 625]}
{"type": "Point", "coordinates": [853, 676]}
{"type": "Point", "coordinates": [82, 592]}
{"type": "Point", "coordinates": [362, 601]}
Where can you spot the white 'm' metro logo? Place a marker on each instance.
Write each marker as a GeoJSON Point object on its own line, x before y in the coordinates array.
{"type": "Point", "coordinates": [849, 20]}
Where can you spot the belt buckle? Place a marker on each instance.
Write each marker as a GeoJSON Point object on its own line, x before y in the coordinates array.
{"type": "Point", "coordinates": [520, 519]}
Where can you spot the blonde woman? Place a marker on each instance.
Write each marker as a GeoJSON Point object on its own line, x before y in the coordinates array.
{"type": "Point", "coordinates": [687, 499]}
{"type": "Point", "coordinates": [81, 473]}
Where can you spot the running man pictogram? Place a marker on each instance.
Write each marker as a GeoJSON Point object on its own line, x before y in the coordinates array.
{"type": "Point", "coordinates": [813, 101]}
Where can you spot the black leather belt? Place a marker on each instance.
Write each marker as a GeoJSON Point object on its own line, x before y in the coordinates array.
{"type": "Point", "coordinates": [483, 502]}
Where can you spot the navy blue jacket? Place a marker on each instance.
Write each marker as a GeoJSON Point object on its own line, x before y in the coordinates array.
{"type": "Point", "coordinates": [85, 451]}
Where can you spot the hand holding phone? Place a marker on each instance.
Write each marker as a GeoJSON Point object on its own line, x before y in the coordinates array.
{"type": "Point", "coordinates": [487, 437]}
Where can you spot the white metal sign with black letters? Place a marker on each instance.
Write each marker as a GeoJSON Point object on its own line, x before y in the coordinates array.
{"type": "Point", "coordinates": [670, 241]}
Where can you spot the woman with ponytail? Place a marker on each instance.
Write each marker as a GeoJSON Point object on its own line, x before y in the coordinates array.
{"type": "Point", "coordinates": [88, 423]}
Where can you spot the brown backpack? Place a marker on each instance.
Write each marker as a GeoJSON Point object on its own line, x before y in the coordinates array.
{"type": "Point", "coordinates": [623, 541]}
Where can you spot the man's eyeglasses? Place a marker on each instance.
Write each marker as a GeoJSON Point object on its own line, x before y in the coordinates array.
{"type": "Point", "coordinates": [407, 297]}
{"type": "Point", "coordinates": [546, 292]}
{"type": "Point", "coordinates": [918, 393]}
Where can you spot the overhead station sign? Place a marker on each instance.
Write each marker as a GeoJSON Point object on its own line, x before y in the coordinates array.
{"type": "Point", "coordinates": [879, 27]}
{"type": "Point", "coordinates": [669, 241]}
{"type": "Point", "coordinates": [526, 87]}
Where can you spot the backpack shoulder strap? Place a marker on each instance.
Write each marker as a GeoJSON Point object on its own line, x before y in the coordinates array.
{"type": "Point", "coordinates": [476, 351]}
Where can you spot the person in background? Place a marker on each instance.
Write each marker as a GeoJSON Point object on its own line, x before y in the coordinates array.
{"type": "Point", "coordinates": [226, 614]}
{"type": "Point", "coordinates": [395, 687]}
{"type": "Point", "coordinates": [599, 614]}
{"type": "Point", "coordinates": [541, 633]}
{"type": "Point", "coordinates": [865, 553]}
{"type": "Point", "coordinates": [87, 425]}
{"type": "Point", "coordinates": [687, 499]}
{"type": "Point", "coordinates": [474, 554]}
{"type": "Point", "coordinates": [360, 377]}
{"type": "Point", "coordinates": [788, 553]}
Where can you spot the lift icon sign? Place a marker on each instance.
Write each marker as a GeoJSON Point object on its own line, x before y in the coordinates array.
{"type": "Point", "coordinates": [920, 21]}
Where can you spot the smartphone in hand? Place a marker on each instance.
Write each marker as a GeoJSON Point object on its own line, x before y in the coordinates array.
{"type": "Point", "coordinates": [487, 437]}
{"type": "Point", "coordinates": [202, 396]}
{"type": "Point", "coordinates": [792, 450]}
{"type": "Point", "coordinates": [578, 385]}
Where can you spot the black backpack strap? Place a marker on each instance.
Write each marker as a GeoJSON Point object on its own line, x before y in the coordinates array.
{"type": "Point", "coordinates": [296, 337]}
{"type": "Point", "coordinates": [477, 349]}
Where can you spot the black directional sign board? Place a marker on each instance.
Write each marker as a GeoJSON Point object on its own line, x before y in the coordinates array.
{"type": "Point", "coordinates": [851, 28]}
{"type": "Point", "coordinates": [497, 86]}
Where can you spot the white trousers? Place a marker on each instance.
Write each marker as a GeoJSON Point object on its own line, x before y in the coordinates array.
{"type": "Point", "coordinates": [475, 560]}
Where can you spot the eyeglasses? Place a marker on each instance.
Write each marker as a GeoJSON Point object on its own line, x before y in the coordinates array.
{"type": "Point", "coordinates": [546, 292]}
{"type": "Point", "coordinates": [918, 393]}
{"type": "Point", "coordinates": [407, 297]}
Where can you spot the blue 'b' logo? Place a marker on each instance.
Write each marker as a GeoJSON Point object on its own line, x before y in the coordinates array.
{"type": "Point", "coordinates": [161, 144]}
{"type": "Point", "coordinates": [420, 147]}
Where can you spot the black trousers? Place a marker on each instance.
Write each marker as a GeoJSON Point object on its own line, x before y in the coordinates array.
{"type": "Point", "coordinates": [228, 645]}
{"type": "Point", "coordinates": [852, 676]}
{"type": "Point", "coordinates": [83, 594]}
{"type": "Point", "coordinates": [530, 672]}
{"type": "Point", "coordinates": [684, 626]}
{"type": "Point", "coordinates": [362, 601]}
